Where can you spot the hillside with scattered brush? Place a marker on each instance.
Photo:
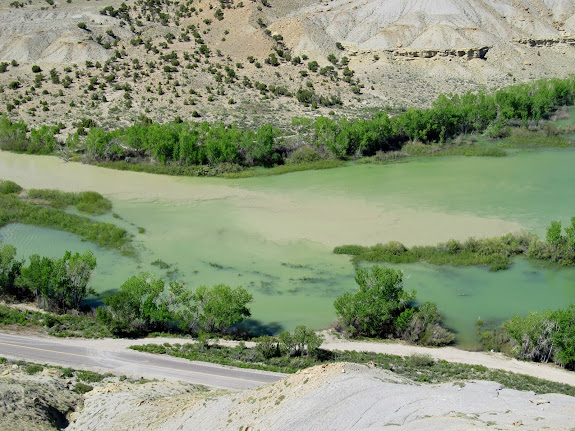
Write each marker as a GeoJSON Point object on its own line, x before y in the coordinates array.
{"type": "Point", "coordinates": [250, 62]}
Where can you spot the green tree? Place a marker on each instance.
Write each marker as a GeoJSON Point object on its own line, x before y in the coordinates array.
{"type": "Point", "coordinates": [221, 307]}
{"type": "Point", "coordinates": [138, 306]}
{"type": "Point", "coordinates": [564, 338]}
{"type": "Point", "coordinates": [379, 301]}
{"type": "Point", "coordinates": [303, 341]}
{"type": "Point", "coordinates": [79, 268]}
{"type": "Point", "coordinates": [554, 233]}
{"type": "Point", "coordinates": [9, 269]}
{"type": "Point", "coordinates": [59, 284]}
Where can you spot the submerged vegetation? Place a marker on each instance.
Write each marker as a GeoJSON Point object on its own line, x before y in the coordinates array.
{"type": "Point", "coordinates": [202, 148]}
{"type": "Point", "coordinates": [46, 208]}
{"type": "Point", "coordinates": [495, 253]}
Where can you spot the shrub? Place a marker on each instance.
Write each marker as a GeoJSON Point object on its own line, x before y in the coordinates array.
{"type": "Point", "coordinates": [305, 154]}
{"type": "Point", "coordinates": [33, 369]}
{"type": "Point", "coordinates": [379, 300]}
{"type": "Point", "coordinates": [82, 388]}
{"type": "Point", "coordinates": [9, 187]}
{"type": "Point", "coordinates": [91, 377]}
{"type": "Point", "coordinates": [268, 347]}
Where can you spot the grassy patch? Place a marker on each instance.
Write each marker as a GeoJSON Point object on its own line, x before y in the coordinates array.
{"type": "Point", "coordinates": [418, 368]}
{"type": "Point", "coordinates": [88, 202]}
{"type": "Point", "coordinates": [524, 138]}
{"type": "Point", "coordinates": [174, 170]}
{"type": "Point", "coordinates": [15, 210]}
{"type": "Point", "coordinates": [9, 187]}
{"type": "Point", "coordinates": [284, 169]}
{"type": "Point", "coordinates": [82, 388]}
{"type": "Point", "coordinates": [495, 253]}
{"type": "Point", "coordinates": [91, 377]}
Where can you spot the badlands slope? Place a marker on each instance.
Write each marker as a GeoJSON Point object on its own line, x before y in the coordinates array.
{"type": "Point", "coordinates": [402, 53]}
{"type": "Point", "coordinates": [329, 397]}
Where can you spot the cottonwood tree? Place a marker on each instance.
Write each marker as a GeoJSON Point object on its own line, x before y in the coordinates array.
{"type": "Point", "coordinates": [379, 301]}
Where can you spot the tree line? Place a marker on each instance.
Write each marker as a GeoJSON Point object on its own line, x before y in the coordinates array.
{"type": "Point", "coordinates": [191, 143]}
{"type": "Point", "coordinates": [142, 304]}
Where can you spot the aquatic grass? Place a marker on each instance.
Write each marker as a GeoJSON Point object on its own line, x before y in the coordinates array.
{"type": "Point", "coordinates": [494, 253]}
{"type": "Point", "coordinates": [88, 202]}
{"type": "Point", "coordinates": [173, 170]}
{"type": "Point", "coordinates": [108, 235]}
{"type": "Point", "coordinates": [285, 169]}
{"type": "Point", "coordinates": [417, 149]}
{"type": "Point", "coordinates": [524, 138]}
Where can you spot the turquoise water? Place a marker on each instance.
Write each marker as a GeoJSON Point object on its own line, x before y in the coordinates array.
{"type": "Point", "coordinates": [274, 235]}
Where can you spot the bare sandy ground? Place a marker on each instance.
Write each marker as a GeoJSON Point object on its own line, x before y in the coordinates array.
{"type": "Point", "coordinates": [330, 397]}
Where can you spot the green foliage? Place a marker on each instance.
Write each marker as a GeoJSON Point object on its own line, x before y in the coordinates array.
{"type": "Point", "coordinates": [559, 248]}
{"type": "Point", "coordinates": [33, 369]}
{"type": "Point", "coordinates": [268, 347]}
{"type": "Point", "coordinates": [546, 336]}
{"type": "Point", "coordinates": [285, 169]}
{"type": "Point", "coordinates": [14, 210]}
{"type": "Point", "coordinates": [143, 305]}
{"type": "Point", "coordinates": [423, 325]}
{"type": "Point", "coordinates": [492, 337]}
{"type": "Point", "coordinates": [379, 301]}
{"type": "Point", "coordinates": [13, 135]}
{"type": "Point", "coordinates": [55, 325]}
{"type": "Point", "coordinates": [9, 271]}
{"type": "Point", "coordinates": [137, 307]}
{"type": "Point", "coordinates": [9, 187]}
{"type": "Point", "coordinates": [59, 284]}
{"type": "Point", "coordinates": [193, 148]}
{"type": "Point", "coordinates": [220, 307]}
{"type": "Point", "coordinates": [554, 233]}
{"type": "Point", "coordinates": [305, 154]}
{"type": "Point", "coordinates": [302, 341]}
{"type": "Point", "coordinates": [82, 388]}
{"type": "Point", "coordinates": [42, 140]}
{"type": "Point", "coordinates": [564, 337]}
{"type": "Point", "coordinates": [12, 316]}
{"type": "Point", "coordinates": [494, 253]}
{"type": "Point", "coordinates": [381, 308]}
{"type": "Point", "coordinates": [88, 202]}
{"type": "Point", "coordinates": [91, 376]}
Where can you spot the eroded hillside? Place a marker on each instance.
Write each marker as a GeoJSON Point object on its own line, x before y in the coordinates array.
{"type": "Point", "coordinates": [251, 62]}
{"type": "Point", "coordinates": [335, 397]}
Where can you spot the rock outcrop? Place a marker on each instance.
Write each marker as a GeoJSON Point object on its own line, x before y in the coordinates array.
{"type": "Point", "coordinates": [542, 42]}
{"type": "Point", "coordinates": [466, 53]}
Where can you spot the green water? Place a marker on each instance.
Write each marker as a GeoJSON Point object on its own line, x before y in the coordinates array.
{"type": "Point", "coordinates": [274, 235]}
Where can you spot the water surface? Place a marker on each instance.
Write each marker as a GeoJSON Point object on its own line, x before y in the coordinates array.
{"type": "Point", "coordinates": [274, 235]}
